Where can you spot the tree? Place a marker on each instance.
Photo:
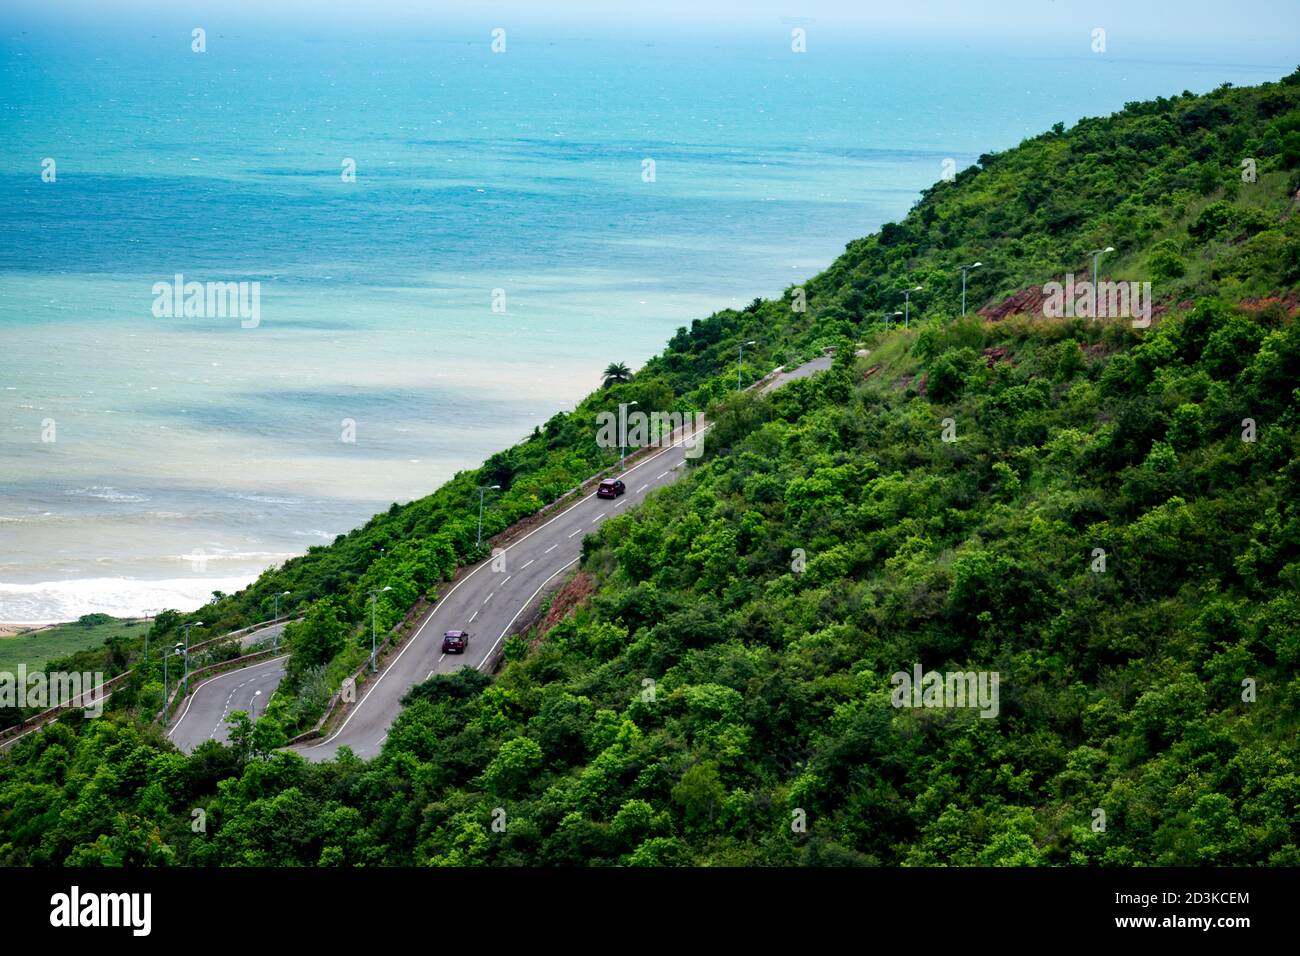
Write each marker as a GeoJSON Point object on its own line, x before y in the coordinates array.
{"type": "Point", "coordinates": [616, 372]}
{"type": "Point", "coordinates": [268, 737]}
{"type": "Point", "coordinates": [514, 765]}
{"type": "Point", "coordinates": [700, 795]}
{"type": "Point", "coordinates": [317, 638]}
{"type": "Point", "coordinates": [241, 734]}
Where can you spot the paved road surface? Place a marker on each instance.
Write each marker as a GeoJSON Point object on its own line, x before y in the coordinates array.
{"type": "Point", "coordinates": [803, 371]}
{"type": "Point", "coordinates": [262, 636]}
{"type": "Point", "coordinates": [203, 714]}
{"type": "Point", "coordinates": [488, 601]}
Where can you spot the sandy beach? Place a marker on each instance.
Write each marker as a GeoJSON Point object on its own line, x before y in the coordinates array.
{"type": "Point", "coordinates": [13, 630]}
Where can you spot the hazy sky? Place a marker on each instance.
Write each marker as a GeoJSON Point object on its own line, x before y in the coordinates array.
{"type": "Point", "coordinates": [1130, 24]}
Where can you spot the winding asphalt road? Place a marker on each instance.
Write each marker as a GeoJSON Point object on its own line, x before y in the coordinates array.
{"type": "Point", "coordinates": [487, 602]}
{"type": "Point", "coordinates": [203, 717]}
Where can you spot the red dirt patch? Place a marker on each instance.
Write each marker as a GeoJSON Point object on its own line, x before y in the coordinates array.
{"type": "Point", "coordinates": [1025, 302]}
{"type": "Point", "coordinates": [575, 593]}
{"type": "Point", "coordinates": [1290, 302]}
{"type": "Point", "coordinates": [1030, 302]}
{"type": "Point", "coordinates": [999, 354]}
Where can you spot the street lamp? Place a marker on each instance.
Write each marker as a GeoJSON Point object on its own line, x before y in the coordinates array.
{"type": "Point", "coordinates": [187, 652]}
{"type": "Point", "coordinates": [275, 638]}
{"type": "Point", "coordinates": [907, 304]}
{"type": "Point", "coordinates": [374, 597]}
{"type": "Point", "coordinates": [153, 616]}
{"type": "Point", "coordinates": [740, 359]}
{"type": "Point", "coordinates": [622, 435]}
{"type": "Point", "coordinates": [1096, 257]}
{"type": "Point", "coordinates": [887, 318]}
{"type": "Point", "coordinates": [482, 490]}
{"type": "Point", "coordinates": [176, 652]}
{"type": "Point", "coordinates": [252, 705]}
{"type": "Point", "coordinates": [964, 270]}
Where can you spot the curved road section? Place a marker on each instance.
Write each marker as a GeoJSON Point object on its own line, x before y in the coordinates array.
{"type": "Point", "coordinates": [487, 603]}
{"type": "Point", "coordinates": [204, 715]}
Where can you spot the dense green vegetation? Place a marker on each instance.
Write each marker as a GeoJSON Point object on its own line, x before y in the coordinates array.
{"type": "Point", "coordinates": [731, 675]}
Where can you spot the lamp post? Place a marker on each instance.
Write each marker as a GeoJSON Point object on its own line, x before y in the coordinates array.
{"type": "Point", "coordinates": [482, 490]}
{"type": "Point", "coordinates": [187, 652]}
{"type": "Point", "coordinates": [964, 270]}
{"type": "Point", "coordinates": [1096, 257]}
{"type": "Point", "coordinates": [153, 616]}
{"type": "Point", "coordinates": [275, 640]}
{"type": "Point", "coordinates": [252, 705]}
{"type": "Point", "coordinates": [907, 303]}
{"type": "Point", "coordinates": [622, 435]}
{"type": "Point", "coordinates": [374, 597]}
{"type": "Point", "coordinates": [888, 317]}
{"type": "Point", "coordinates": [176, 651]}
{"type": "Point", "coordinates": [741, 358]}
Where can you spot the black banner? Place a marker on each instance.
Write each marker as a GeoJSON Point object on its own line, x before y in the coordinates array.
{"type": "Point", "coordinates": [1220, 907]}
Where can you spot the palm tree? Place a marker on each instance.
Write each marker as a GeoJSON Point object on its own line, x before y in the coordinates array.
{"type": "Point", "coordinates": [616, 372]}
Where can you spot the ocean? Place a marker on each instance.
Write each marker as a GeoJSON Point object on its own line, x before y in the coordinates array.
{"type": "Point", "coordinates": [501, 242]}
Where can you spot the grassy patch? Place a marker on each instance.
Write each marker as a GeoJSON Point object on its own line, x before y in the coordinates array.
{"type": "Point", "coordinates": [35, 648]}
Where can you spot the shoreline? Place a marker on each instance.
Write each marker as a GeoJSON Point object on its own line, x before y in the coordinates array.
{"type": "Point", "coordinates": [29, 606]}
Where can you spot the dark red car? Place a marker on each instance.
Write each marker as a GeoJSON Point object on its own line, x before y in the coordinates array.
{"type": "Point", "coordinates": [455, 642]}
{"type": "Point", "coordinates": [610, 488]}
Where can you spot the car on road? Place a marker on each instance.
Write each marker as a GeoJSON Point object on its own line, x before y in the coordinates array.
{"type": "Point", "coordinates": [455, 642]}
{"type": "Point", "coordinates": [610, 488]}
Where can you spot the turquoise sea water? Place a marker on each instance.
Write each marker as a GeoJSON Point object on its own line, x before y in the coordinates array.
{"type": "Point", "coordinates": [190, 453]}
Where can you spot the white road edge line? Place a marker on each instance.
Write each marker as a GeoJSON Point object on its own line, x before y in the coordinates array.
{"type": "Point", "coordinates": [521, 610]}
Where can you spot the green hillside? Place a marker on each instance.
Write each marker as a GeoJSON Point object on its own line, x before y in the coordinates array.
{"type": "Point", "coordinates": [942, 502]}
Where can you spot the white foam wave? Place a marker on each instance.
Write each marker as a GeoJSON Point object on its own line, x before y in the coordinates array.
{"type": "Point", "coordinates": [104, 493]}
{"type": "Point", "coordinates": [48, 601]}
